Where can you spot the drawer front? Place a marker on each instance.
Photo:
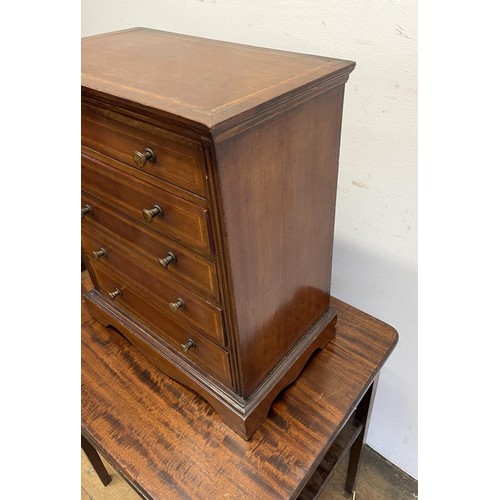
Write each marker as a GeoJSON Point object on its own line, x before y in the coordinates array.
{"type": "Point", "coordinates": [196, 312]}
{"type": "Point", "coordinates": [203, 353]}
{"type": "Point", "coordinates": [177, 160]}
{"type": "Point", "coordinates": [181, 220]}
{"type": "Point", "coordinates": [187, 267]}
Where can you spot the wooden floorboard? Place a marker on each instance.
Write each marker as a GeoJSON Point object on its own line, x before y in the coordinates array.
{"type": "Point", "coordinates": [93, 489]}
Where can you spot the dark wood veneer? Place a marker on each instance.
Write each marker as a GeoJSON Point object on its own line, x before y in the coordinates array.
{"type": "Point", "coordinates": [181, 220]}
{"type": "Point", "coordinates": [164, 327]}
{"type": "Point", "coordinates": [168, 443]}
{"type": "Point", "coordinates": [182, 83]}
{"type": "Point", "coordinates": [278, 183]}
{"type": "Point", "coordinates": [199, 313]}
{"type": "Point", "coordinates": [246, 178]}
{"type": "Point", "coordinates": [191, 268]}
{"type": "Point", "coordinates": [178, 160]}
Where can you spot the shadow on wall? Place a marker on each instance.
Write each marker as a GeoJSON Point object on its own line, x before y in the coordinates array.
{"type": "Point", "coordinates": [386, 287]}
{"type": "Point", "coordinates": [379, 284]}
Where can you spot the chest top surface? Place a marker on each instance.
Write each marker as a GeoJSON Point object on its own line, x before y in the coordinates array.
{"type": "Point", "coordinates": [201, 80]}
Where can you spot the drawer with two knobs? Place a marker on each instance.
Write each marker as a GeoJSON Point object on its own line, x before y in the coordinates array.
{"type": "Point", "coordinates": [156, 208]}
{"type": "Point", "coordinates": [177, 336]}
{"type": "Point", "coordinates": [192, 269]}
{"type": "Point", "coordinates": [179, 301]}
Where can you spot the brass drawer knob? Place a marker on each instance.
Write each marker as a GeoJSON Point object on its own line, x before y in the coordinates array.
{"type": "Point", "coordinates": [113, 295]}
{"type": "Point", "coordinates": [176, 306]}
{"type": "Point", "coordinates": [168, 260]}
{"type": "Point", "coordinates": [150, 213]}
{"type": "Point", "coordinates": [140, 159]}
{"type": "Point", "coordinates": [190, 343]}
{"type": "Point", "coordinates": [97, 254]}
{"type": "Point", "coordinates": [87, 209]}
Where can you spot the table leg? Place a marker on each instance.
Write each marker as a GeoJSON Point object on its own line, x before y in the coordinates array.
{"type": "Point", "coordinates": [363, 414]}
{"type": "Point", "coordinates": [96, 461]}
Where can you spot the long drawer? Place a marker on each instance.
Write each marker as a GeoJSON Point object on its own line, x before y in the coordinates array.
{"type": "Point", "coordinates": [192, 309]}
{"type": "Point", "coordinates": [175, 217]}
{"type": "Point", "coordinates": [176, 159]}
{"type": "Point", "coordinates": [185, 266]}
{"type": "Point", "coordinates": [199, 350]}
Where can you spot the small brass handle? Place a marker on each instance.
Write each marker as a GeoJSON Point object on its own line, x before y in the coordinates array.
{"type": "Point", "coordinates": [168, 260]}
{"type": "Point", "coordinates": [190, 343]}
{"type": "Point", "coordinates": [140, 159]}
{"type": "Point", "coordinates": [87, 209]}
{"type": "Point", "coordinates": [176, 306]}
{"type": "Point", "coordinates": [97, 254]}
{"type": "Point", "coordinates": [113, 295]}
{"type": "Point", "coordinates": [151, 213]}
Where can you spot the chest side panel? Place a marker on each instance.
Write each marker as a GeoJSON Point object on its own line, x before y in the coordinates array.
{"type": "Point", "coordinates": [278, 185]}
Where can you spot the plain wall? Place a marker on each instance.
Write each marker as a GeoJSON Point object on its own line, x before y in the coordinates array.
{"type": "Point", "coordinates": [375, 250]}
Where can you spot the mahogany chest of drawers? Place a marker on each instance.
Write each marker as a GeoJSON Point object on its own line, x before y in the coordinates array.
{"type": "Point", "coordinates": [209, 174]}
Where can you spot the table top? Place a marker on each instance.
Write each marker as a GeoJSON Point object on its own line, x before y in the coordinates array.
{"type": "Point", "coordinates": [169, 443]}
{"type": "Point", "coordinates": [206, 81]}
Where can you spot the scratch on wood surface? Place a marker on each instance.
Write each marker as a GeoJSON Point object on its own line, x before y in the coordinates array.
{"type": "Point", "coordinates": [318, 398]}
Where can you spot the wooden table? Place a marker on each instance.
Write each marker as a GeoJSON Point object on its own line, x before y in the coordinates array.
{"type": "Point", "coordinates": [168, 443]}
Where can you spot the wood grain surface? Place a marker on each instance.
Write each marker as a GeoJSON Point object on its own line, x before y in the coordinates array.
{"type": "Point", "coordinates": [181, 220]}
{"type": "Point", "coordinates": [177, 160]}
{"type": "Point", "coordinates": [278, 184]}
{"type": "Point", "coordinates": [244, 174]}
{"type": "Point", "coordinates": [150, 68]}
{"type": "Point", "coordinates": [169, 443]}
{"type": "Point", "coordinates": [197, 271]}
{"type": "Point", "coordinates": [161, 289]}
